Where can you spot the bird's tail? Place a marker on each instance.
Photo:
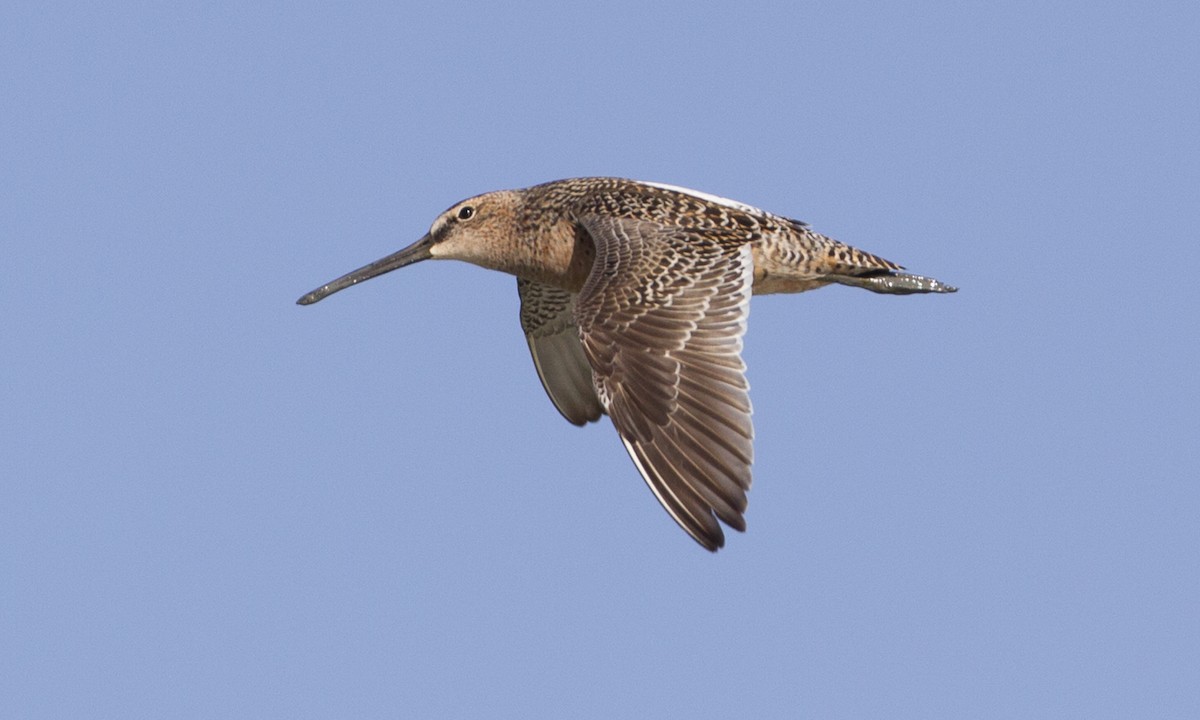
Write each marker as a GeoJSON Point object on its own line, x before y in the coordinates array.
{"type": "Point", "coordinates": [847, 265]}
{"type": "Point", "coordinates": [893, 282]}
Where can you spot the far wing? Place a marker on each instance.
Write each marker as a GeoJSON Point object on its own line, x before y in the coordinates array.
{"type": "Point", "coordinates": [546, 318]}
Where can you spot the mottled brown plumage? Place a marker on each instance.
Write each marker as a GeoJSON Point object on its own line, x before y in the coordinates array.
{"type": "Point", "coordinates": [634, 300]}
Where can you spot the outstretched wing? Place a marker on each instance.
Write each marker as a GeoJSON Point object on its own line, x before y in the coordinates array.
{"type": "Point", "coordinates": [549, 325]}
{"type": "Point", "coordinates": [662, 317]}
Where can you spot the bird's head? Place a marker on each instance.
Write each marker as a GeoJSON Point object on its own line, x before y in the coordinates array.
{"type": "Point", "coordinates": [479, 230]}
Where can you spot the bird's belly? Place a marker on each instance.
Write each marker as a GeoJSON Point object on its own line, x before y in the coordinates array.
{"type": "Point", "coordinates": [767, 284]}
{"type": "Point", "coordinates": [776, 272]}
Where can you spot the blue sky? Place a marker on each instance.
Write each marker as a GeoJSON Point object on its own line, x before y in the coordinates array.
{"type": "Point", "coordinates": [216, 503]}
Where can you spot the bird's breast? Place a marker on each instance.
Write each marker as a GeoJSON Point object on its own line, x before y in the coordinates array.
{"type": "Point", "coordinates": [560, 255]}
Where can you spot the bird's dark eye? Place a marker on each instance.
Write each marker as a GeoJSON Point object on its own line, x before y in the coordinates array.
{"type": "Point", "coordinates": [466, 213]}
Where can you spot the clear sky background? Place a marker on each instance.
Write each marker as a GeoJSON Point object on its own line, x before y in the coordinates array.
{"type": "Point", "coordinates": [217, 504]}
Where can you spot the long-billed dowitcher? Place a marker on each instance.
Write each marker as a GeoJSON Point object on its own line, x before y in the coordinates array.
{"type": "Point", "coordinates": [634, 299]}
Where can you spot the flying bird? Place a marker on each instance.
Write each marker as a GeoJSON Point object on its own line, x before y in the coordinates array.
{"type": "Point", "coordinates": [634, 299]}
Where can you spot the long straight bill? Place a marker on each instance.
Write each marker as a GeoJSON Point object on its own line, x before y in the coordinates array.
{"type": "Point", "coordinates": [414, 253]}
